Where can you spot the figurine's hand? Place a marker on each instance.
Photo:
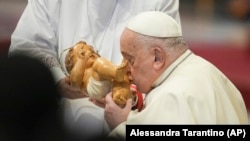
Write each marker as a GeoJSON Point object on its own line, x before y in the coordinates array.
{"type": "Point", "coordinates": [68, 91]}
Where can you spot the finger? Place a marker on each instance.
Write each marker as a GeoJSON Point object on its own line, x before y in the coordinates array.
{"type": "Point", "coordinates": [80, 94]}
{"type": "Point", "coordinates": [75, 94]}
{"type": "Point", "coordinates": [133, 88]}
{"type": "Point", "coordinates": [109, 99]}
{"type": "Point", "coordinates": [67, 80]}
{"type": "Point", "coordinates": [98, 103]}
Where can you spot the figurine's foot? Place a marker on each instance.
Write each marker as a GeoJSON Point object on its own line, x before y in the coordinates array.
{"type": "Point", "coordinates": [120, 96]}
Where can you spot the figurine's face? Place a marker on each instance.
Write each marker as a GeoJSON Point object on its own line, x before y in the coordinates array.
{"type": "Point", "coordinates": [83, 51]}
{"type": "Point", "coordinates": [80, 52]}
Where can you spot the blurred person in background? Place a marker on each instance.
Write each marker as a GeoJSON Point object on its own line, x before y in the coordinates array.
{"type": "Point", "coordinates": [239, 9]}
{"type": "Point", "coordinates": [29, 102]}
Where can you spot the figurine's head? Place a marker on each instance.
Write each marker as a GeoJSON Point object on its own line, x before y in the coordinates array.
{"type": "Point", "coordinates": [80, 52]}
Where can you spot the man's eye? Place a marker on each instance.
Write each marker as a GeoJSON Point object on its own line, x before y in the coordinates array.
{"type": "Point", "coordinates": [131, 61]}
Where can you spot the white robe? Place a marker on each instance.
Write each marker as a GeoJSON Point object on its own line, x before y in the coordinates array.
{"type": "Point", "coordinates": [47, 27]}
{"type": "Point", "coordinates": [190, 91]}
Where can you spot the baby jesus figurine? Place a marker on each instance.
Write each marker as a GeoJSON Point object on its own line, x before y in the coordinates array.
{"type": "Point", "coordinates": [96, 75]}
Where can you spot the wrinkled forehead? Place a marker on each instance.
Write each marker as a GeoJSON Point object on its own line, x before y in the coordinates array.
{"type": "Point", "coordinates": [130, 45]}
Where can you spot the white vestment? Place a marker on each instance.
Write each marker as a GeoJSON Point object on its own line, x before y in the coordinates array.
{"type": "Point", "coordinates": [48, 27]}
{"type": "Point", "coordinates": [190, 91]}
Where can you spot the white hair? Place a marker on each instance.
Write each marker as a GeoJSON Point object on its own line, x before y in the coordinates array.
{"type": "Point", "coordinates": [169, 44]}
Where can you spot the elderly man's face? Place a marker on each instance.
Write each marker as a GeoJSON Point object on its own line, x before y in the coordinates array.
{"type": "Point", "coordinates": [140, 61]}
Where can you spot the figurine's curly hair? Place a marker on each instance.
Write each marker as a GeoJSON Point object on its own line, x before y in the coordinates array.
{"type": "Point", "coordinates": [69, 63]}
{"type": "Point", "coordinates": [70, 60]}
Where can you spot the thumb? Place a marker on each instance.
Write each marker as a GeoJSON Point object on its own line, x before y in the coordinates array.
{"type": "Point", "coordinates": [109, 99]}
{"type": "Point", "coordinates": [128, 105]}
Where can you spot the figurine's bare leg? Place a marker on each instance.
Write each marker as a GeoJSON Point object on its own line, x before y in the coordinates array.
{"type": "Point", "coordinates": [106, 70]}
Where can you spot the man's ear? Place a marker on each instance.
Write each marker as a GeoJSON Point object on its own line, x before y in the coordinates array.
{"type": "Point", "coordinates": [160, 57]}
